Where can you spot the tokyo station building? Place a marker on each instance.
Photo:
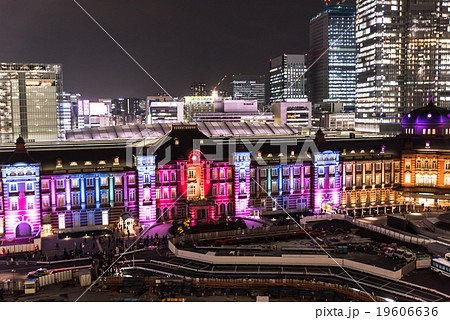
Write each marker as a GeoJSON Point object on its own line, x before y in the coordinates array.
{"type": "Point", "coordinates": [186, 171]}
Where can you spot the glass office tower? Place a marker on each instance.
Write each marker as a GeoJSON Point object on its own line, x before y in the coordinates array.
{"type": "Point", "coordinates": [428, 53]}
{"type": "Point", "coordinates": [29, 94]}
{"type": "Point", "coordinates": [287, 78]}
{"type": "Point", "coordinates": [380, 34]}
{"type": "Point", "coordinates": [248, 87]}
{"type": "Point", "coordinates": [332, 78]}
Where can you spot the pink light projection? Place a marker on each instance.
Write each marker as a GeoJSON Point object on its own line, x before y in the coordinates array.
{"type": "Point", "coordinates": [242, 199]}
{"type": "Point", "coordinates": [146, 168]}
{"type": "Point", "coordinates": [324, 196]}
{"type": "Point", "coordinates": [21, 200]}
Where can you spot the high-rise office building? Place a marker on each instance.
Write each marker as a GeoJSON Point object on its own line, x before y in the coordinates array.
{"type": "Point", "coordinates": [69, 110]}
{"type": "Point", "coordinates": [248, 87]}
{"type": "Point", "coordinates": [380, 29]}
{"type": "Point", "coordinates": [332, 42]}
{"type": "Point", "coordinates": [403, 58]}
{"type": "Point", "coordinates": [128, 110]}
{"type": "Point", "coordinates": [287, 78]}
{"type": "Point", "coordinates": [198, 89]}
{"type": "Point", "coordinates": [427, 53]}
{"type": "Point", "coordinates": [29, 101]}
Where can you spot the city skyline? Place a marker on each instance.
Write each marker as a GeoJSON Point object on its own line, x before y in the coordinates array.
{"type": "Point", "coordinates": [95, 67]}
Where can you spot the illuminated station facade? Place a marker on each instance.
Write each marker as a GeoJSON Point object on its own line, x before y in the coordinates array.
{"type": "Point", "coordinates": [187, 174]}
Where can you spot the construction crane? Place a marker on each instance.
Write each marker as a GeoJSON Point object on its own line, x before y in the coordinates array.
{"type": "Point", "coordinates": [214, 90]}
{"type": "Point", "coordinates": [218, 84]}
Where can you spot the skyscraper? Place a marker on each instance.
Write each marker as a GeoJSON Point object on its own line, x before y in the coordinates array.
{"type": "Point", "coordinates": [380, 30]}
{"type": "Point", "coordinates": [332, 42]}
{"type": "Point", "coordinates": [403, 56]}
{"type": "Point", "coordinates": [248, 87]}
{"type": "Point", "coordinates": [287, 78]}
{"type": "Point", "coordinates": [427, 53]}
{"type": "Point", "coordinates": [69, 110]}
{"type": "Point", "coordinates": [29, 102]}
{"type": "Point", "coordinates": [128, 110]}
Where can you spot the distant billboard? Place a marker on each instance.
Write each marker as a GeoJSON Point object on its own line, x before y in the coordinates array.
{"type": "Point", "coordinates": [98, 109]}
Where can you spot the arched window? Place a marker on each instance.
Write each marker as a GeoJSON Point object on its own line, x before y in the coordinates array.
{"type": "Point", "coordinates": [230, 209]}
{"type": "Point", "coordinates": [407, 177]}
{"type": "Point", "coordinates": [173, 213]}
{"type": "Point", "coordinates": [419, 164]}
{"type": "Point", "coordinates": [419, 178]}
{"type": "Point", "coordinates": [222, 209]}
{"type": "Point", "coordinates": [447, 179]}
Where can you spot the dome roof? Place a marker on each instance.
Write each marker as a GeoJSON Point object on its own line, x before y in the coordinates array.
{"type": "Point", "coordinates": [429, 114]}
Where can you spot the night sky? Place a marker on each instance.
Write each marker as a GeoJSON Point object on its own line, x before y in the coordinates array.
{"type": "Point", "coordinates": [177, 41]}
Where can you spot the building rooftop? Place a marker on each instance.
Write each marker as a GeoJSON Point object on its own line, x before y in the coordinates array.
{"type": "Point", "coordinates": [157, 130]}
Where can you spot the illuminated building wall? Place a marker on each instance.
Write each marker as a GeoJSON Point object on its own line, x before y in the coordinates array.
{"type": "Point", "coordinates": [333, 77]}
{"type": "Point", "coordinates": [326, 181]}
{"type": "Point", "coordinates": [21, 200]}
{"type": "Point", "coordinates": [29, 102]}
{"type": "Point", "coordinates": [287, 78]}
{"type": "Point", "coordinates": [380, 28]}
{"type": "Point", "coordinates": [242, 183]}
{"type": "Point", "coordinates": [248, 87]}
{"type": "Point", "coordinates": [427, 53]}
{"type": "Point", "coordinates": [146, 172]}
{"type": "Point", "coordinates": [87, 201]}
{"type": "Point", "coordinates": [197, 104]}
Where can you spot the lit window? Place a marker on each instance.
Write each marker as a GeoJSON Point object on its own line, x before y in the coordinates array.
{"type": "Point", "coordinates": [59, 163]}
{"type": "Point", "coordinates": [407, 177]}
{"type": "Point", "coordinates": [102, 162]}
{"type": "Point", "coordinates": [60, 183]}
{"type": "Point", "coordinates": [61, 200]}
{"type": "Point", "coordinates": [88, 163]}
{"type": "Point", "coordinates": [29, 186]}
{"type": "Point", "coordinates": [90, 198]}
{"type": "Point", "coordinates": [118, 196]}
{"type": "Point", "coordinates": [116, 161]}
{"type": "Point", "coordinates": [46, 201]}
{"type": "Point", "coordinates": [75, 199]}
{"type": "Point", "coordinates": [191, 174]}
{"type": "Point", "coordinates": [105, 217]}
{"type": "Point", "coordinates": [104, 181]}
{"type": "Point", "coordinates": [30, 204]}
{"type": "Point", "coordinates": [90, 182]}
{"type": "Point", "coordinates": [191, 191]}
{"type": "Point", "coordinates": [104, 197]}
{"type": "Point", "coordinates": [75, 183]}
{"type": "Point", "coordinates": [61, 221]}
{"type": "Point", "coordinates": [117, 180]}
{"type": "Point", "coordinates": [132, 196]}
{"type": "Point", "coordinates": [131, 179]}
{"type": "Point", "coordinates": [13, 187]}
{"type": "Point", "coordinates": [45, 184]}
{"type": "Point", "coordinates": [73, 163]}
{"type": "Point", "coordinates": [14, 204]}
{"type": "Point", "coordinates": [447, 179]}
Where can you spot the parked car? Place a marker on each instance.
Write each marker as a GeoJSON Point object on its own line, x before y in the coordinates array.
{"type": "Point", "coordinates": [409, 256]}
{"type": "Point", "coordinates": [399, 253]}
{"type": "Point", "coordinates": [39, 273]}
